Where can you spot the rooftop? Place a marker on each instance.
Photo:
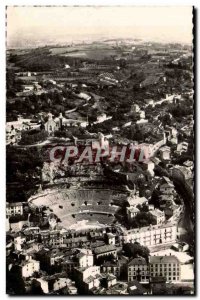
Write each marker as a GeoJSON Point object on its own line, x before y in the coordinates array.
{"type": "Point", "coordinates": [163, 259]}
{"type": "Point", "coordinates": [14, 204]}
{"type": "Point", "coordinates": [138, 261]}
{"type": "Point", "coordinates": [104, 249]}
{"type": "Point", "coordinates": [148, 228]}
{"type": "Point", "coordinates": [157, 213]}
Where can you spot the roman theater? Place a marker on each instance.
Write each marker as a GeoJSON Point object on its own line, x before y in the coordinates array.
{"type": "Point", "coordinates": [92, 206]}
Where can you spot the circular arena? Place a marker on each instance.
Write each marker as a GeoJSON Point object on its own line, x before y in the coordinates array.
{"type": "Point", "coordinates": [76, 206]}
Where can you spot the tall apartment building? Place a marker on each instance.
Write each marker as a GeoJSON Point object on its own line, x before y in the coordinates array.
{"type": "Point", "coordinates": [166, 266]}
{"type": "Point", "coordinates": [152, 235]}
{"type": "Point", "coordinates": [138, 270]}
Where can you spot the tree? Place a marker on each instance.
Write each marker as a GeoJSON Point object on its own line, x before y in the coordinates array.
{"type": "Point", "coordinates": [155, 198]}
{"type": "Point", "coordinates": [142, 219]}
{"type": "Point", "coordinates": [166, 120]}
{"type": "Point", "coordinates": [14, 282]}
{"type": "Point", "coordinates": [133, 250]}
{"type": "Point", "coordinates": [33, 137]}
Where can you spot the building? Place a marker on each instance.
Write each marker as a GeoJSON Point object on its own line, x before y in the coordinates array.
{"type": "Point", "coordinates": [28, 268]}
{"type": "Point", "coordinates": [132, 212]}
{"type": "Point", "coordinates": [189, 164]}
{"type": "Point", "coordinates": [120, 288]}
{"type": "Point", "coordinates": [42, 283]}
{"type": "Point", "coordinates": [85, 258]}
{"type": "Point", "coordinates": [111, 238]}
{"type": "Point", "coordinates": [165, 153]}
{"type": "Point", "coordinates": [63, 282]}
{"type": "Point", "coordinates": [165, 266]}
{"type": "Point", "coordinates": [180, 247]}
{"type": "Point", "coordinates": [87, 278]}
{"type": "Point", "coordinates": [149, 166]}
{"type": "Point", "coordinates": [101, 118]}
{"type": "Point", "coordinates": [135, 288]}
{"type": "Point", "coordinates": [50, 258]}
{"type": "Point", "coordinates": [18, 242]}
{"type": "Point", "coordinates": [167, 189]}
{"type": "Point", "coordinates": [108, 280]}
{"type": "Point", "coordinates": [28, 88]}
{"type": "Point", "coordinates": [83, 96]}
{"type": "Point", "coordinates": [67, 66]}
{"type": "Point", "coordinates": [54, 283]}
{"type": "Point", "coordinates": [118, 267]}
{"type": "Point", "coordinates": [51, 126]}
{"type": "Point", "coordinates": [171, 134]}
{"type": "Point", "coordinates": [135, 108]}
{"type": "Point", "coordinates": [17, 225]}
{"type": "Point", "coordinates": [15, 208]}
{"type": "Point", "coordinates": [134, 200]}
{"type": "Point", "coordinates": [142, 114]}
{"type": "Point", "coordinates": [158, 285]}
{"type": "Point", "coordinates": [105, 250]}
{"type": "Point", "coordinates": [152, 80]}
{"type": "Point", "coordinates": [20, 124]}
{"type": "Point", "coordinates": [138, 270]}
{"type": "Point", "coordinates": [111, 267]}
{"type": "Point", "coordinates": [149, 102]}
{"type": "Point", "coordinates": [60, 121]}
{"type": "Point", "coordinates": [141, 122]}
{"type": "Point", "coordinates": [151, 236]}
{"type": "Point", "coordinates": [185, 170]}
{"type": "Point", "coordinates": [14, 128]}
{"type": "Point", "coordinates": [182, 147]}
{"type": "Point", "coordinates": [158, 215]}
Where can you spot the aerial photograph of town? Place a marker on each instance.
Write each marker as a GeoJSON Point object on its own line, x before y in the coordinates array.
{"type": "Point", "coordinates": [100, 151]}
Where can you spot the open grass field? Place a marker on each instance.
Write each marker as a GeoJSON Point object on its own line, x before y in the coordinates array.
{"type": "Point", "coordinates": [95, 53]}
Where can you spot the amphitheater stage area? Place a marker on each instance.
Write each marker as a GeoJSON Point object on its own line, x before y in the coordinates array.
{"type": "Point", "coordinates": [75, 207]}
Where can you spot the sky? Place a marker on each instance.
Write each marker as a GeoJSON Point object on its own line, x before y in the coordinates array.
{"type": "Point", "coordinates": [42, 25]}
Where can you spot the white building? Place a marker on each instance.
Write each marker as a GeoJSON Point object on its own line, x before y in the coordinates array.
{"type": "Point", "coordinates": [111, 238]}
{"type": "Point", "coordinates": [152, 235]}
{"type": "Point", "coordinates": [166, 266]}
{"type": "Point", "coordinates": [60, 283]}
{"type": "Point", "coordinates": [85, 258]}
{"type": "Point", "coordinates": [138, 270]}
{"type": "Point", "coordinates": [171, 134]}
{"type": "Point", "coordinates": [17, 226]}
{"type": "Point", "coordinates": [142, 114]}
{"type": "Point", "coordinates": [142, 122]}
{"type": "Point", "coordinates": [14, 128]}
{"type": "Point", "coordinates": [135, 108]}
{"type": "Point", "coordinates": [51, 125]}
{"type": "Point", "coordinates": [67, 66]}
{"type": "Point", "coordinates": [167, 188]}
{"type": "Point", "coordinates": [182, 147]}
{"type": "Point", "coordinates": [18, 242]}
{"type": "Point", "coordinates": [149, 166]}
{"type": "Point", "coordinates": [132, 212]}
{"type": "Point", "coordinates": [135, 200]}
{"type": "Point", "coordinates": [84, 96]}
{"type": "Point", "coordinates": [44, 284]}
{"type": "Point", "coordinates": [165, 153]}
{"type": "Point", "coordinates": [28, 88]}
{"type": "Point", "coordinates": [149, 102]}
{"type": "Point", "coordinates": [158, 215]}
{"type": "Point", "coordinates": [101, 118]}
{"type": "Point", "coordinates": [29, 267]}
{"type": "Point", "coordinates": [13, 209]}
{"type": "Point", "coordinates": [87, 278]}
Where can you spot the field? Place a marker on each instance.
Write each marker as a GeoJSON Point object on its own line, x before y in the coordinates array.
{"type": "Point", "coordinates": [88, 53]}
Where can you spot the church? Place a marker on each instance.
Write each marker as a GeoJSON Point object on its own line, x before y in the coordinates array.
{"type": "Point", "coordinates": [53, 125]}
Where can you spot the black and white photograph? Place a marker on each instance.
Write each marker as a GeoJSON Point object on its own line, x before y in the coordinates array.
{"type": "Point", "coordinates": [100, 151]}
